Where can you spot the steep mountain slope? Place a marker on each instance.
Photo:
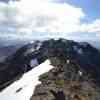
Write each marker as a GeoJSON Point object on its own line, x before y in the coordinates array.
{"type": "Point", "coordinates": [6, 51]}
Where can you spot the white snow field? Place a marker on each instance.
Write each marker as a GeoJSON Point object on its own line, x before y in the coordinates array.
{"type": "Point", "coordinates": [23, 88]}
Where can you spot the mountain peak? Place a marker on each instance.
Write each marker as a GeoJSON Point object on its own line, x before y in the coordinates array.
{"type": "Point", "coordinates": [76, 62]}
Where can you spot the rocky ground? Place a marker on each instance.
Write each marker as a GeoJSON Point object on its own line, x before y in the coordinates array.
{"type": "Point", "coordinates": [67, 81]}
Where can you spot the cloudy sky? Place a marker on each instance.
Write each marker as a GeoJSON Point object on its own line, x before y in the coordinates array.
{"type": "Point", "coordinates": [50, 18]}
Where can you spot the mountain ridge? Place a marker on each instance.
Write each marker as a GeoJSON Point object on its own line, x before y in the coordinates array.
{"type": "Point", "coordinates": [83, 60]}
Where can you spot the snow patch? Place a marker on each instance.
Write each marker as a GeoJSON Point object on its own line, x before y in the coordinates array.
{"type": "Point", "coordinates": [79, 50]}
{"type": "Point", "coordinates": [80, 73]}
{"type": "Point", "coordinates": [33, 63]}
{"type": "Point", "coordinates": [24, 88]}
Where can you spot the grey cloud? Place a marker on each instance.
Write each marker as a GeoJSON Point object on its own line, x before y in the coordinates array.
{"type": "Point", "coordinates": [6, 1]}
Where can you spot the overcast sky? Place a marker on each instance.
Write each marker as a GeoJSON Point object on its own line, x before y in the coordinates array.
{"type": "Point", "coordinates": [50, 18]}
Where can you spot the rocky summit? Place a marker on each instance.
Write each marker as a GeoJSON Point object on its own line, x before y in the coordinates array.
{"type": "Point", "coordinates": [76, 72]}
